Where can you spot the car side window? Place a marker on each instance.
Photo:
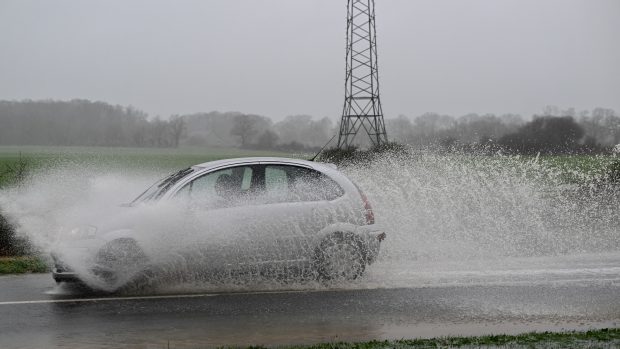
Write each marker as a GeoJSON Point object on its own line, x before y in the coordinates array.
{"type": "Point", "coordinates": [295, 184]}
{"type": "Point", "coordinates": [276, 184]}
{"type": "Point", "coordinates": [223, 188]}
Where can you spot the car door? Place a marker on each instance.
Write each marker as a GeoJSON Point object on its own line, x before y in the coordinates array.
{"type": "Point", "coordinates": [292, 206]}
{"type": "Point", "coordinates": [222, 232]}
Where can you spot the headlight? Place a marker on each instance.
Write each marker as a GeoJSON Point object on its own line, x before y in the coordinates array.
{"type": "Point", "coordinates": [83, 232]}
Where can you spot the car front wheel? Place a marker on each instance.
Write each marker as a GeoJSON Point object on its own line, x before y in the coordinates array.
{"type": "Point", "coordinates": [118, 262]}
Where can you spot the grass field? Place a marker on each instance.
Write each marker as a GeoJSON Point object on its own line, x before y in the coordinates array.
{"type": "Point", "coordinates": [568, 168]}
{"type": "Point", "coordinates": [579, 168]}
{"type": "Point", "coordinates": [161, 159]}
{"type": "Point", "coordinates": [179, 157]}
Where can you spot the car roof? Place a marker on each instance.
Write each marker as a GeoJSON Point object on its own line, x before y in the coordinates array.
{"type": "Point", "coordinates": [256, 160]}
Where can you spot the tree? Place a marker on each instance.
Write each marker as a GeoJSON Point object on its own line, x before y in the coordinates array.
{"type": "Point", "coordinates": [79, 122]}
{"type": "Point", "coordinates": [430, 127]}
{"type": "Point", "coordinates": [267, 140]}
{"type": "Point", "coordinates": [244, 126]}
{"type": "Point", "coordinates": [400, 129]}
{"type": "Point", "coordinates": [159, 130]}
{"type": "Point", "coordinates": [547, 135]}
{"type": "Point", "coordinates": [177, 128]}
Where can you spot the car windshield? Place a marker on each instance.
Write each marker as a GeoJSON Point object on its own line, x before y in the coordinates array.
{"type": "Point", "coordinates": [161, 186]}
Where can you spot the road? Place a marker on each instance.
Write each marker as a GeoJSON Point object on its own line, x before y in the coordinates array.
{"type": "Point", "coordinates": [514, 297]}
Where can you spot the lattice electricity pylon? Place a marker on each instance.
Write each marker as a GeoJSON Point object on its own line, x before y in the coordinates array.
{"type": "Point", "coordinates": [362, 106]}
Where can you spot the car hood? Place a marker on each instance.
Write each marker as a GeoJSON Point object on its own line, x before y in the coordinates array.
{"type": "Point", "coordinates": [141, 217]}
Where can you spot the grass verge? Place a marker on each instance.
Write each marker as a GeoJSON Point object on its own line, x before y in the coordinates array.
{"type": "Point", "coordinates": [604, 338]}
{"type": "Point", "coordinates": [20, 265]}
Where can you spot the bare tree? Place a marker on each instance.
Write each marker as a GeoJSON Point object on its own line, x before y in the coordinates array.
{"type": "Point", "coordinates": [177, 127]}
{"type": "Point", "coordinates": [244, 126]}
{"type": "Point", "coordinates": [160, 132]}
{"type": "Point", "coordinates": [400, 128]}
{"type": "Point", "coordinates": [267, 140]}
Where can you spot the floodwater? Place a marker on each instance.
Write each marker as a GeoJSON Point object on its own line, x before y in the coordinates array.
{"type": "Point", "coordinates": [441, 213]}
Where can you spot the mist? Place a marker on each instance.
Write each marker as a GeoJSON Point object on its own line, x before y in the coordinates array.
{"type": "Point", "coordinates": [87, 123]}
{"type": "Point", "coordinates": [281, 57]}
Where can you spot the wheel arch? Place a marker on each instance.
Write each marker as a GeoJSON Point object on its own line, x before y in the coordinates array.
{"type": "Point", "coordinates": [119, 234]}
{"type": "Point", "coordinates": [337, 228]}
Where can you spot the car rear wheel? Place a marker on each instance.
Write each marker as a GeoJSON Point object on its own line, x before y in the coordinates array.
{"type": "Point", "coordinates": [340, 257]}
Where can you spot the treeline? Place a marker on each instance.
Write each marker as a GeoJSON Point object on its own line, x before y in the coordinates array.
{"type": "Point", "coordinates": [294, 133]}
{"type": "Point", "coordinates": [86, 123]}
{"type": "Point", "coordinates": [555, 131]}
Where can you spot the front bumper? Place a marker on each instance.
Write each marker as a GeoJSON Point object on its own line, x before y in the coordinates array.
{"type": "Point", "coordinates": [60, 275]}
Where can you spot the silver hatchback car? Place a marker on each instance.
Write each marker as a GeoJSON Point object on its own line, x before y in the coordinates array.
{"type": "Point", "coordinates": [264, 217]}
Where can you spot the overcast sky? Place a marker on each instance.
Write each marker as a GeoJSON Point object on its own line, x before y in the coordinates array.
{"type": "Point", "coordinates": [283, 57]}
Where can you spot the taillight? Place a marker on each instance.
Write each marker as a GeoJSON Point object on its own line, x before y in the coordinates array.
{"type": "Point", "coordinates": [368, 214]}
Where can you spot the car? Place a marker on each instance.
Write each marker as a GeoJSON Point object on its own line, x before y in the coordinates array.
{"type": "Point", "coordinates": [259, 217]}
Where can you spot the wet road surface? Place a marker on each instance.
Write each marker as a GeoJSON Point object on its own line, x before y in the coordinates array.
{"type": "Point", "coordinates": [37, 314]}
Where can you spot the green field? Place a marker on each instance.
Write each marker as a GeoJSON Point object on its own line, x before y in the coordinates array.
{"type": "Point", "coordinates": [579, 168]}
{"type": "Point", "coordinates": [570, 169]}
{"type": "Point", "coordinates": [158, 159]}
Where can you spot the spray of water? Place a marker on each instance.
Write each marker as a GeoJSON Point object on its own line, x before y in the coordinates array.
{"type": "Point", "coordinates": [464, 207]}
{"type": "Point", "coordinates": [437, 209]}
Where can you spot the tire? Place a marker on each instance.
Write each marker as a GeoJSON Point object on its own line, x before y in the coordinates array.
{"type": "Point", "coordinates": [142, 281]}
{"type": "Point", "coordinates": [340, 257]}
{"type": "Point", "coordinates": [118, 262]}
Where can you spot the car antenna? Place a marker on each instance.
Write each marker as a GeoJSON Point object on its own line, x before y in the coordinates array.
{"type": "Point", "coordinates": [321, 150]}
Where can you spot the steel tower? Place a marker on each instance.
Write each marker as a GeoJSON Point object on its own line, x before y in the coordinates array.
{"type": "Point", "coordinates": [362, 106]}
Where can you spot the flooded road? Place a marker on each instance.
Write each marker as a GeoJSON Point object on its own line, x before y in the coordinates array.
{"type": "Point", "coordinates": [424, 300]}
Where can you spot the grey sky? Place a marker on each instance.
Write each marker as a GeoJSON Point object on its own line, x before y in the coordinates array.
{"type": "Point", "coordinates": [282, 57]}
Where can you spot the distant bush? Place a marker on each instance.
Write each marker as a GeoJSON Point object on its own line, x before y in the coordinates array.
{"type": "Point", "coordinates": [20, 265]}
{"type": "Point", "coordinates": [546, 135]}
{"type": "Point", "coordinates": [338, 155]}
{"type": "Point", "coordinates": [11, 245]}
{"type": "Point", "coordinates": [389, 147]}
{"type": "Point", "coordinates": [354, 154]}
{"type": "Point", "coordinates": [613, 173]}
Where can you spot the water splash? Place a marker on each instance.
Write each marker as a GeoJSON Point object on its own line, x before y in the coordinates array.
{"type": "Point", "coordinates": [463, 207]}
{"type": "Point", "coordinates": [454, 210]}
